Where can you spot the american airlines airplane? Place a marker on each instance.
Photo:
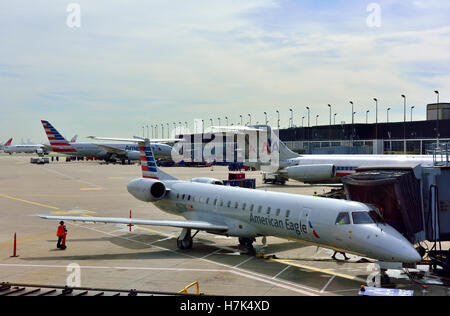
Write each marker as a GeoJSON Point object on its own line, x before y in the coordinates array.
{"type": "Point", "coordinates": [108, 152]}
{"type": "Point", "coordinates": [6, 144]}
{"type": "Point", "coordinates": [207, 205]}
{"type": "Point", "coordinates": [40, 149]}
{"type": "Point", "coordinates": [320, 168]}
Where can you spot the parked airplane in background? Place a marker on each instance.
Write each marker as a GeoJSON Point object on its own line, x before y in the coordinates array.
{"type": "Point", "coordinates": [74, 139]}
{"type": "Point", "coordinates": [40, 149]}
{"type": "Point", "coordinates": [6, 144]}
{"type": "Point", "coordinates": [108, 152]}
{"type": "Point", "coordinates": [341, 225]}
{"type": "Point", "coordinates": [319, 168]}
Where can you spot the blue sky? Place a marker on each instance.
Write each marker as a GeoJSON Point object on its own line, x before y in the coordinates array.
{"type": "Point", "coordinates": [133, 63]}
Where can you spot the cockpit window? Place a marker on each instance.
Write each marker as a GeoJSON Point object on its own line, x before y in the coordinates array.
{"type": "Point", "coordinates": [362, 218]}
{"type": "Point", "coordinates": [376, 216]}
{"type": "Point", "coordinates": [343, 219]}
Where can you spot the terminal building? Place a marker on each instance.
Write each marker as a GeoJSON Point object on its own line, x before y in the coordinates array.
{"type": "Point", "coordinates": [416, 137]}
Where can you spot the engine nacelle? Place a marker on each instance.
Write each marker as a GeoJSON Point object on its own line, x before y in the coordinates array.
{"type": "Point", "coordinates": [133, 155]}
{"type": "Point", "coordinates": [147, 190]}
{"type": "Point", "coordinates": [207, 180]}
{"type": "Point", "coordinates": [311, 173]}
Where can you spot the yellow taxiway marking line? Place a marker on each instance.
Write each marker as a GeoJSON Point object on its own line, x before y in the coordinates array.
{"type": "Point", "coordinates": [91, 189]}
{"type": "Point", "coordinates": [29, 202]}
{"type": "Point", "coordinates": [77, 212]}
{"type": "Point", "coordinates": [327, 271]}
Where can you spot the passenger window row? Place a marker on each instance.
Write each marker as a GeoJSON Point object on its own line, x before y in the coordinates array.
{"type": "Point", "coordinates": [230, 204]}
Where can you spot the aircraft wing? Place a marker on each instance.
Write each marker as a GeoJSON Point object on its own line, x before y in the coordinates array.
{"type": "Point", "coordinates": [198, 225]}
{"type": "Point", "coordinates": [138, 139]}
{"type": "Point", "coordinates": [112, 150]}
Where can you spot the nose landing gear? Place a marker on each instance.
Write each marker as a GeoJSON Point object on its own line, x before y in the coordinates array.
{"type": "Point", "coordinates": [247, 245]}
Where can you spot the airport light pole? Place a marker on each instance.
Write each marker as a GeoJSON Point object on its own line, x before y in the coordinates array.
{"type": "Point", "coordinates": [265, 114]}
{"type": "Point", "coordinates": [367, 116]}
{"type": "Point", "coordinates": [353, 121]}
{"type": "Point", "coordinates": [303, 118]}
{"type": "Point", "coordinates": [376, 117]}
{"type": "Point", "coordinates": [250, 119]}
{"type": "Point", "coordinates": [278, 122]}
{"type": "Point", "coordinates": [168, 129]}
{"type": "Point", "coordinates": [308, 114]}
{"type": "Point", "coordinates": [151, 126]}
{"type": "Point", "coordinates": [412, 112]}
{"type": "Point", "coordinates": [404, 123]}
{"type": "Point", "coordinates": [241, 119]}
{"type": "Point", "coordinates": [437, 117]}
{"type": "Point", "coordinates": [226, 118]}
{"type": "Point", "coordinates": [335, 118]}
{"type": "Point", "coordinates": [292, 118]}
{"type": "Point", "coordinates": [317, 117]}
{"type": "Point", "coordinates": [219, 120]}
{"type": "Point", "coordinates": [329, 105]}
{"type": "Point", "coordinates": [387, 114]}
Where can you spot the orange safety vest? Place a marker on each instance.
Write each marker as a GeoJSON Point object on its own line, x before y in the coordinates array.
{"type": "Point", "coordinates": [61, 231]}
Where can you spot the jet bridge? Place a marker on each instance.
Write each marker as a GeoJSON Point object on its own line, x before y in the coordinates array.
{"type": "Point", "coordinates": [414, 199]}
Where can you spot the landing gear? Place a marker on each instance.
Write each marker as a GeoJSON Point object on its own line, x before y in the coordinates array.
{"type": "Point", "coordinates": [184, 241]}
{"type": "Point", "coordinates": [247, 244]}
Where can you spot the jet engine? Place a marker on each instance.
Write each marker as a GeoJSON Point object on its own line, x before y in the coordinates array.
{"type": "Point", "coordinates": [207, 180]}
{"type": "Point", "coordinates": [147, 190]}
{"type": "Point", "coordinates": [310, 173]}
{"type": "Point", "coordinates": [39, 151]}
{"type": "Point", "coordinates": [133, 155]}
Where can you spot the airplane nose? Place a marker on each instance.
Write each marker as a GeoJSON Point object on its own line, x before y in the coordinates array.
{"type": "Point", "coordinates": [410, 255]}
{"type": "Point", "coordinates": [401, 250]}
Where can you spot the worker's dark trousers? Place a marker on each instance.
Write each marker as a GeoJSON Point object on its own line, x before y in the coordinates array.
{"type": "Point", "coordinates": [60, 238]}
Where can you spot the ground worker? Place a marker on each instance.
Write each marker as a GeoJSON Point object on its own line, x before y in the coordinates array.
{"type": "Point", "coordinates": [315, 194]}
{"type": "Point", "coordinates": [61, 234]}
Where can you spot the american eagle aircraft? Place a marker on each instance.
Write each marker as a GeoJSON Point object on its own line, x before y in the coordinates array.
{"type": "Point", "coordinates": [108, 152]}
{"type": "Point", "coordinates": [207, 205]}
{"type": "Point", "coordinates": [319, 168]}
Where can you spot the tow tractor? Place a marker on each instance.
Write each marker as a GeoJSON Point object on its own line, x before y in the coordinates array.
{"type": "Point", "coordinates": [274, 178]}
{"type": "Point", "coordinates": [39, 160]}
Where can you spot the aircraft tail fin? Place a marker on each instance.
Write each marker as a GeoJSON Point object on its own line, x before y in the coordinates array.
{"type": "Point", "coordinates": [148, 162]}
{"type": "Point", "coordinates": [57, 141]}
{"type": "Point", "coordinates": [74, 139]}
{"type": "Point", "coordinates": [8, 142]}
{"type": "Point", "coordinates": [286, 153]}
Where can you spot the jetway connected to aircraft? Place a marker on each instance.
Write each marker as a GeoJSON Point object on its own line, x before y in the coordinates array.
{"type": "Point", "coordinates": [414, 199]}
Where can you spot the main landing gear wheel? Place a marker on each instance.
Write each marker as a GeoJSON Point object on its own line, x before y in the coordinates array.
{"type": "Point", "coordinates": [184, 241]}
{"type": "Point", "coordinates": [247, 244]}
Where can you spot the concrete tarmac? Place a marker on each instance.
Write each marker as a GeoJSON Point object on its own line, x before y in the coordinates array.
{"type": "Point", "coordinates": [110, 256]}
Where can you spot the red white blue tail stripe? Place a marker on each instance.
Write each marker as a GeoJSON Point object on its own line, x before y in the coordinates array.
{"type": "Point", "coordinates": [148, 163]}
{"type": "Point", "coordinates": [57, 141]}
{"type": "Point", "coordinates": [8, 142]}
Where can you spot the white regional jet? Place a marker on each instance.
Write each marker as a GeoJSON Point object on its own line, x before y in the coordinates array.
{"type": "Point", "coordinates": [108, 152]}
{"type": "Point", "coordinates": [320, 168]}
{"type": "Point", "coordinates": [206, 205]}
{"type": "Point", "coordinates": [40, 149]}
